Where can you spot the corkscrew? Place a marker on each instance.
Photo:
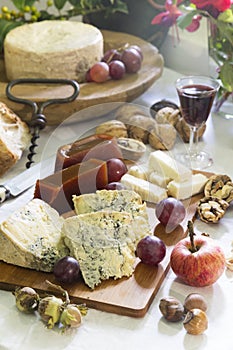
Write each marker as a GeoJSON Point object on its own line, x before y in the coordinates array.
{"type": "Point", "coordinates": [38, 120]}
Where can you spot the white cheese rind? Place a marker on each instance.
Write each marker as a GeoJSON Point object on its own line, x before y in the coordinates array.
{"type": "Point", "coordinates": [149, 192]}
{"type": "Point", "coordinates": [31, 237]}
{"type": "Point", "coordinates": [163, 164]}
{"type": "Point", "coordinates": [52, 49]}
{"type": "Point", "coordinates": [186, 189]}
{"type": "Point", "coordinates": [102, 244]}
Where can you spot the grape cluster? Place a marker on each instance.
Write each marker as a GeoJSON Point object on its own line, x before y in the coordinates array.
{"type": "Point", "coordinates": [115, 64]}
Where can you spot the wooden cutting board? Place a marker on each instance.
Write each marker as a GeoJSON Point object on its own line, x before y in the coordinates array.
{"type": "Point", "coordinates": [124, 90]}
{"type": "Point", "coordinates": [126, 296]}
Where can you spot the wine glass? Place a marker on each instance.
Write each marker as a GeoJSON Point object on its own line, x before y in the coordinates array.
{"type": "Point", "coordinates": [196, 95]}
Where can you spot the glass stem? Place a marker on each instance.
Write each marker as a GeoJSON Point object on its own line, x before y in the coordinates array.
{"type": "Point", "coordinates": [193, 141]}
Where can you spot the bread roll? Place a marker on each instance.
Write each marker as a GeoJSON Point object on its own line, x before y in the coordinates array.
{"type": "Point", "coordinates": [14, 138]}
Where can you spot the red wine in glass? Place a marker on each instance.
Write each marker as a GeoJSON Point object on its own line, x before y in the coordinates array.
{"type": "Point", "coordinates": [196, 101]}
{"type": "Point", "coordinates": [196, 95]}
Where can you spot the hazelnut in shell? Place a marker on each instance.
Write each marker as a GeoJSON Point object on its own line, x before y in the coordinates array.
{"type": "Point", "coordinates": [195, 301]}
{"type": "Point", "coordinates": [195, 322]}
{"type": "Point", "coordinates": [171, 309]}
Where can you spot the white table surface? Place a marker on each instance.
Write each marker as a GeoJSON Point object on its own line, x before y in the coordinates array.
{"type": "Point", "coordinates": [101, 330]}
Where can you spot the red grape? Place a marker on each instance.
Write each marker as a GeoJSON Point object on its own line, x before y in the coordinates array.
{"type": "Point", "coordinates": [138, 49]}
{"type": "Point", "coordinates": [132, 60]}
{"type": "Point", "coordinates": [114, 186]}
{"type": "Point", "coordinates": [170, 212]}
{"type": "Point", "coordinates": [116, 169]}
{"type": "Point", "coordinates": [151, 250]}
{"type": "Point", "coordinates": [67, 270]}
{"type": "Point", "coordinates": [99, 72]}
{"type": "Point", "coordinates": [116, 69]}
{"type": "Point", "coordinates": [111, 55]}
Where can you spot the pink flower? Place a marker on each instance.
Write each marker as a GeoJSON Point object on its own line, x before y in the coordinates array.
{"type": "Point", "coordinates": [220, 5]}
{"type": "Point", "coordinates": [169, 17]}
{"type": "Point", "coordinates": [195, 24]}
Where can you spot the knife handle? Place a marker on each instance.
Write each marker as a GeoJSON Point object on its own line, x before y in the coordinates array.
{"type": "Point", "coordinates": [4, 193]}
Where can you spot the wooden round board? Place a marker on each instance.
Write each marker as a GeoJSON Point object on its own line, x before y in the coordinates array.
{"type": "Point", "coordinates": [124, 90]}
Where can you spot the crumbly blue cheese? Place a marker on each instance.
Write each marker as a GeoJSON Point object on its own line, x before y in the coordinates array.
{"type": "Point", "coordinates": [102, 243]}
{"type": "Point", "coordinates": [31, 237]}
{"type": "Point", "coordinates": [116, 200]}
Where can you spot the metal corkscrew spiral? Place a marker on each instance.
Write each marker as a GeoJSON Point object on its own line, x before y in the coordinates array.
{"type": "Point", "coordinates": [38, 119]}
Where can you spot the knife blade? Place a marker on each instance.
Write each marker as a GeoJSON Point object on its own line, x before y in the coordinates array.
{"type": "Point", "coordinates": [26, 179]}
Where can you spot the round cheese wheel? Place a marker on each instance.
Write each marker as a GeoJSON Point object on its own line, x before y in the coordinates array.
{"type": "Point", "coordinates": [52, 49]}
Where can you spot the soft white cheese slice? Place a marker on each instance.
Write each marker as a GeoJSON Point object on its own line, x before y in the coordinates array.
{"type": "Point", "coordinates": [159, 179]}
{"type": "Point", "coordinates": [162, 163]}
{"type": "Point", "coordinates": [186, 189]}
{"type": "Point", "coordinates": [149, 192]}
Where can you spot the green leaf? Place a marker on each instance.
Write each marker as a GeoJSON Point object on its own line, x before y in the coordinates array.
{"type": "Point", "coordinates": [20, 4]}
{"type": "Point", "coordinates": [5, 27]}
{"type": "Point", "coordinates": [59, 4]}
{"type": "Point", "coordinates": [185, 20]}
{"type": "Point", "coordinates": [226, 76]}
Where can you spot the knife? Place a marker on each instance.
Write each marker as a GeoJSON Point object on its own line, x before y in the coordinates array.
{"type": "Point", "coordinates": [26, 179]}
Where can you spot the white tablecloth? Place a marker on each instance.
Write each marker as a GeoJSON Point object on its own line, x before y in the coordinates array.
{"type": "Point", "coordinates": [101, 330]}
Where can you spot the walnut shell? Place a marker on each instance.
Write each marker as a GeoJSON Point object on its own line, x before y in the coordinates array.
{"type": "Point", "coordinates": [211, 209]}
{"type": "Point", "coordinates": [184, 130]}
{"type": "Point", "coordinates": [126, 111]}
{"type": "Point", "coordinates": [162, 137]}
{"type": "Point", "coordinates": [113, 128]}
{"type": "Point", "coordinates": [167, 115]}
{"type": "Point", "coordinates": [140, 127]}
{"type": "Point", "coordinates": [219, 186]}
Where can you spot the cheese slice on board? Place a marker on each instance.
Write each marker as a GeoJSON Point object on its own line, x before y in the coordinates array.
{"type": "Point", "coordinates": [117, 200]}
{"type": "Point", "coordinates": [162, 163]}
{"type": "Point", "coordinates": [102, 244]}
{"type": "Point", "coordinates": [31, 237]}
{"type": "Point", "coordinates": [149, 192]}
{"type": "Point", "coordinates": [186, 189]}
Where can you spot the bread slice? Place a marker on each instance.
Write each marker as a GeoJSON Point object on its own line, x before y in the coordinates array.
{"type": "Point", "coordinates": [14, 138]}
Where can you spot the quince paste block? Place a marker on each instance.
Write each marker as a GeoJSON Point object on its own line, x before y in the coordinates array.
{"type": "Point", "coordinates": [58, 188]}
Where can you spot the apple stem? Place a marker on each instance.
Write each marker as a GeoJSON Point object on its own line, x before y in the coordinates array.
{"type": "Point", "coordinates": [191, 235]}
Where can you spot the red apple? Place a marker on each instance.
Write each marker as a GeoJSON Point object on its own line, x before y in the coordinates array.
{"type": "Point", "coordinates": [197, 261]}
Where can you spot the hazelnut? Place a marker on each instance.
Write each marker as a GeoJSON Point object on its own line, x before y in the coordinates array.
{"type": "Point", "coordinates": [195, 301]}
{"type": "Point", "coordinates": [171, 309]}
{"type": "Point", "coordinates": [195, 322]}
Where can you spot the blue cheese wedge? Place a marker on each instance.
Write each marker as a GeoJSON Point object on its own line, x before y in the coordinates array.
{"type": "Point", "coordinates": [162, 163]}
{"type": "Point", "coordinates": [148, 191]}
{"type": "Point", "coordinates": [102, 243]}
{"type": "Point", "coordinates": [31, 237]}
{"type": "Point", "coordinates": [116, 200]}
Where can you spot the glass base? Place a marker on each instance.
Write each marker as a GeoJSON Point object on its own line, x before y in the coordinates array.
{"type": "Point", "coordinates": [198, 161]}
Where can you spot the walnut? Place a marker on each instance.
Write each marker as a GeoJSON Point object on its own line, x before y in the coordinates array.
{"type": "Point", "coordinates": [211, 209]}
{"type": "Point", "coordinates": [167, 115]}
{"type": "Point", "coordinates": [126, 111]}
{"type": "Point", "coordinates": [162, 137]}
{"type": "Point", "coordinates": [140, 127]}
{"type": "Point", "coordinates": [173, 116]}
{"type": "Point", "coordinates": [113, 128]}
{"type": "Point", "coordinates": [219, 186]}
{"type": "Point", "coordinates": [184, 130]}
